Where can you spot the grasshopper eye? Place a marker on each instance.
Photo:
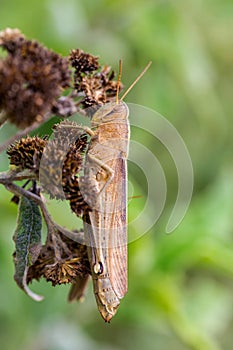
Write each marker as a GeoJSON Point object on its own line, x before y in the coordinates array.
{"type": "Point", "coordinates": [98, 268]}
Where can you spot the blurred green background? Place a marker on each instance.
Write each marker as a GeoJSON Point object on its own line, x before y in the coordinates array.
{"type": "Point", "coordinates": [180, 285]}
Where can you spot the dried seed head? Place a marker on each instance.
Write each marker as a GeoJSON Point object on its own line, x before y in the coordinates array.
{"type": "Point", "coordinates": [94, 84]}
{"type": "Point", "coordinates": [10, 39]}
{"type": "Point", "coordinates": [62, 160]}
{"type": "Point", "coordinates": [62, 163]}
{"type": "Point", "coordinates": [83, 62]}
{"type": "Point", "coordinates": [72, 263]}
{"type": "Point", "coordinates": [74, 195]}
{"type": "Point", "coordinates": [60, 167]}
{"type": "Point", "coordinates": [64, 271]}
{"type": "Point", "coordinates": [31, 78]}
{"type": "Point", "coordinates": [27, 152]}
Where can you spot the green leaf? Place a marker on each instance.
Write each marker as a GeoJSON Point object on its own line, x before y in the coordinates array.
{"type": "Point", "coordinates": [27, 239]}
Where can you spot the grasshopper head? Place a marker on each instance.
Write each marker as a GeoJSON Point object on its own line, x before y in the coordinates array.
{"type": "Point", "coordinates": [110, 112]}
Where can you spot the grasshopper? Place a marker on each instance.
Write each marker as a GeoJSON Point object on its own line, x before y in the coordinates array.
{"type": "Point", "coordinates": [105, 190]}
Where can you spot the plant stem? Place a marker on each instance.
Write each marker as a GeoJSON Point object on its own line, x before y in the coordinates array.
{"type": "Point", "coordinates": [7, 177]}
{"type": "Point", "coordinates": [3, 118]}
{"type": "Point", "coordinates": [51, 225]}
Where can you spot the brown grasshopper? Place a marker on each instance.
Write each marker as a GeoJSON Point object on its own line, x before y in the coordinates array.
{"type": "Point", "coordinates": [105, 190]}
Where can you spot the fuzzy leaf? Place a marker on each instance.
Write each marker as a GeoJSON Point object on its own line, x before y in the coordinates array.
{"type": "Point", "coordinates": [27, 239]}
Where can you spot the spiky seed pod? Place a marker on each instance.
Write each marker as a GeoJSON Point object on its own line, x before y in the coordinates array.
{"type": "Point", "coordinates": [62, 163]}
{"type": "Point", "coordinates": [70, 179]}
{"type": "Point", "coordinates": [27, 152]}
{"type": "Point", "coordinates": [74, 195]}
{"type": "Point", "coordinates": [31, 78]}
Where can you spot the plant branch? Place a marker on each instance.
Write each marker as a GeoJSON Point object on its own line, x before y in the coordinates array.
{"type": "Point", "coordinates": [51, 225]}
{"type": "Point", "coordinates": [7, 177]}
{"type": "Point", "coordinates": [19, 191]}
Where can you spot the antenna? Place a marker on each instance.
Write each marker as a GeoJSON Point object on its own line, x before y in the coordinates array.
{"type": "Point", "coordinates": [135, 81]}
{"type": "Point", "coordinates": [119, 81]}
